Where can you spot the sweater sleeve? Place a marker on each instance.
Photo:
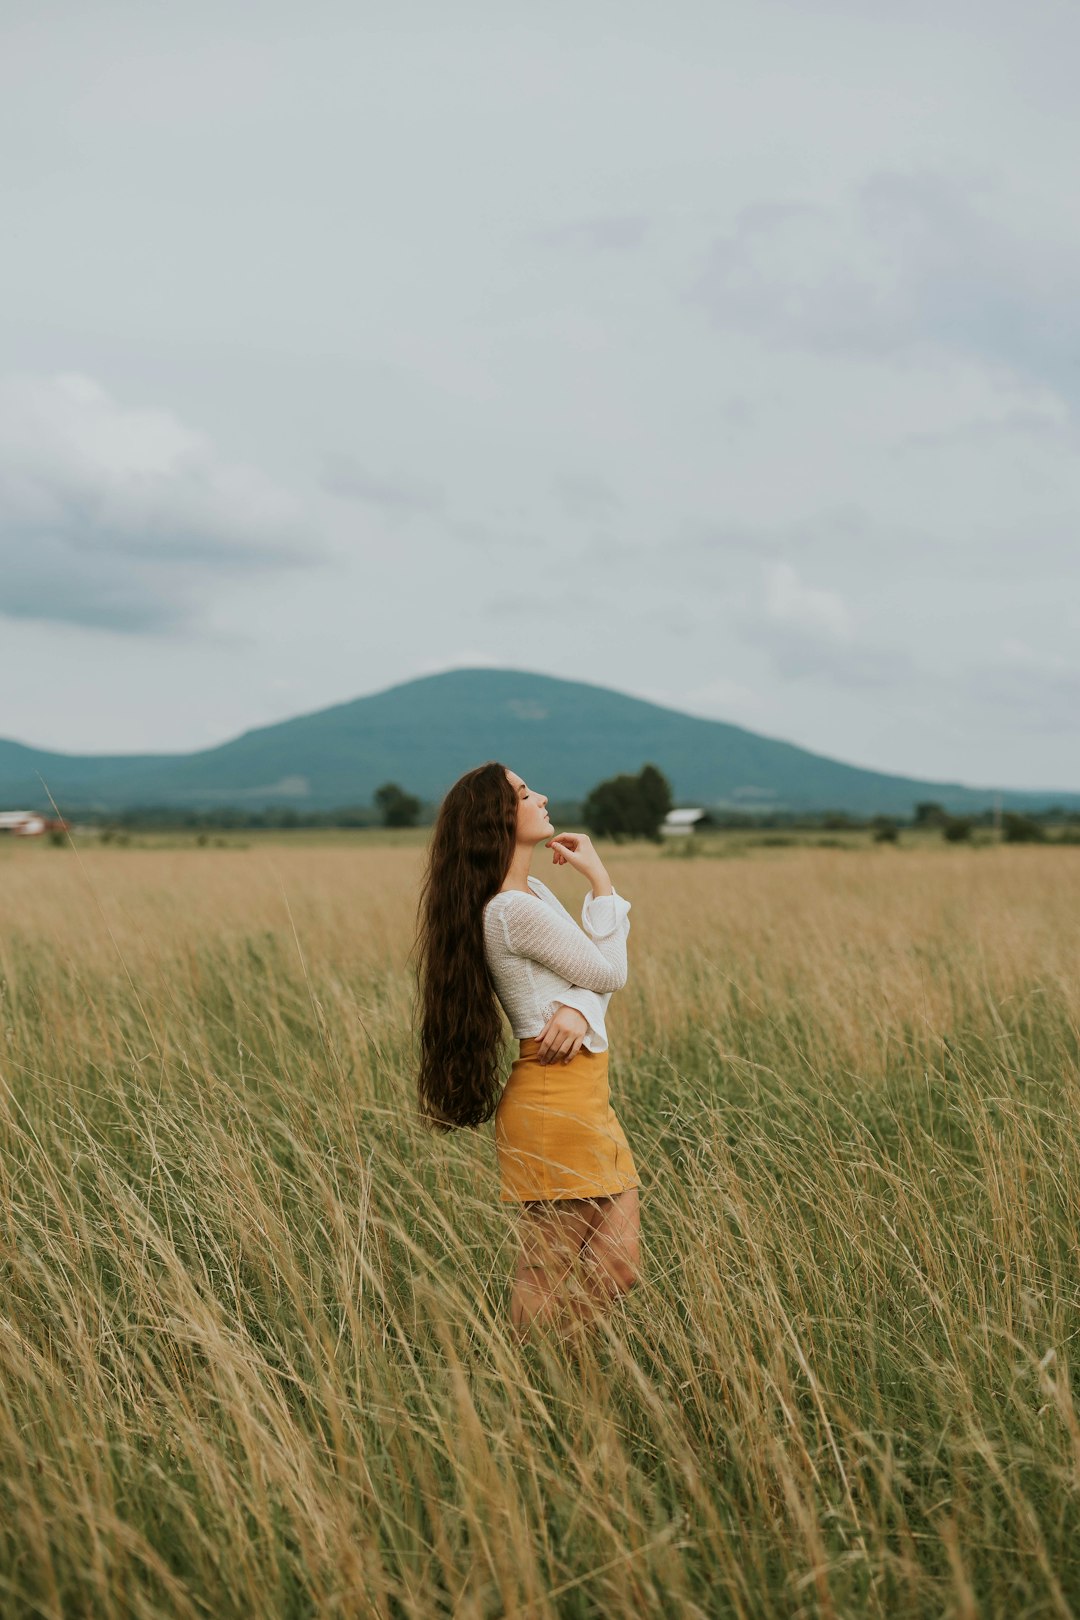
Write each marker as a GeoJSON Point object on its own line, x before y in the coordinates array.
{"type": "Point", "coordinates": [605, 913]}
{"type": "Point", "coordinates": [537, 931]}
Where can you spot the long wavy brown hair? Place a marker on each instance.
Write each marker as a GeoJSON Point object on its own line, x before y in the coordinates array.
{"type": "Point", "coordinates": [461, 1031]}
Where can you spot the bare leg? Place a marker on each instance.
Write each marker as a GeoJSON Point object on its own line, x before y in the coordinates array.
{"type": "Point", "coordinates": [552, 1233]}
{"type": "Point", "coordinates": [596, 1236]}
{"type": "Point", "coordinates": [612, 1252]}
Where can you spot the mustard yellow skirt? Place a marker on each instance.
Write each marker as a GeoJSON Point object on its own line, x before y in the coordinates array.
{"type": "Point", "coordinates": [556, 1133]}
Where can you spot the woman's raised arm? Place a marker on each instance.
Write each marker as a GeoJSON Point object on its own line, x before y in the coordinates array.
{"type": "Point", "coordinates": [535, 930]}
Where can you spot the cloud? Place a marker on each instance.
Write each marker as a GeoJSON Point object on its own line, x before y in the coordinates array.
{"type": "Point", "coordinates": [463, 658]}
{"type": "Point", "coordinates": [720, 698]}
{"type": "Point", "coordinates": [789, 602]}
{"type": "Point", "coordinates": [121, 518]}
{"type": "Point", "coordinates": [344, 477]}
{"type": "Point", "coordinates": [585, 497]}
{"type": "Point", "coordinates": [839, 531]}
{"type": "Point", "coordinates": [1045, 428]}
{"type": "Point", "coordinates": [905, 261]}
{"type": "Point", "coordinates": [799, 654]}
{"type": "Point", "coordinates": [809, 631]}
{"type": "Point", "coordinates": [603, 233]}
{"type": "Point", "coordinates": [1026, 687]}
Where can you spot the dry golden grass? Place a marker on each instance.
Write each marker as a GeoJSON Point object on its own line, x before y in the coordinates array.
{"type": "Point", "coordinates": [255, 1356]}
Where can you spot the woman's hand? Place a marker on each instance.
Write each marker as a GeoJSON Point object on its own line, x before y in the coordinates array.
{"type": "Point", "coordinates": [576, 850]}
{"type": "Point", "coordinates": [562, 1035]}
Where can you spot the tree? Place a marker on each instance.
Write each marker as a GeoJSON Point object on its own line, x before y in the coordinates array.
{"type": "Point", "coordinates": [654, 790]}
{"type": "Point", "coordinates": [629, 806]}
{"type": "Point", "coordinates": [957, 829]}
{"type": "Point", "coordinates": [398, 808]}
{"type": "Point", "coordinates": [929, 814]}
{"type": "Point", "coordinates": [1018, 829]}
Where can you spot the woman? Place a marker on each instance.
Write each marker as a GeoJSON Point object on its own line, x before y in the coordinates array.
{"type": "Point", "coordinates": [490, 934]}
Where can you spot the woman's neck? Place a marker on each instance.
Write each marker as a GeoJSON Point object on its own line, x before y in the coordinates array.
{"type": "Point", "coordinates": [517, 872]}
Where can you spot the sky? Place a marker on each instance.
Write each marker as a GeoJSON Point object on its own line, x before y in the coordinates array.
{"type": "Point", "coordinates": [726, 355]}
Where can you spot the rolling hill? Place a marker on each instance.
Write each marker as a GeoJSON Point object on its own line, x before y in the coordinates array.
{"type": "Point", "coordinates": [563, 736]}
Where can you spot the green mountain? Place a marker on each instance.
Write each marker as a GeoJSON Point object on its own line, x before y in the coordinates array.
{"type": "Point", "coordinates": [562, 736]}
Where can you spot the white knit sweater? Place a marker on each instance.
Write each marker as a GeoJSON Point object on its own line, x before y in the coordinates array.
{"type": "Point", "coordinates": [540, 959]}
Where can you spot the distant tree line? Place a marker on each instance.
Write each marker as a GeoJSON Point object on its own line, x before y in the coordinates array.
{"type": "Point", "coordinates": [170, 818]}
{"type": "Point", "coordinates": [621, 807]}
{"type": "Point", "coordinates": [1016, 828]}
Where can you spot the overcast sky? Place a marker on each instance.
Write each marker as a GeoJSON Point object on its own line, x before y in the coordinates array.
{"type": "Point", "coordinates": [725, 354]}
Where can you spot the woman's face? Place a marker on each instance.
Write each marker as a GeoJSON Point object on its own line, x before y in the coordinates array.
{"type": "Point", "coordinates": [533, 822]}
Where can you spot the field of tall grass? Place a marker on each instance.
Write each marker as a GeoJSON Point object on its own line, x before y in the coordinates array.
{"type": "Point", "coordinates": [255, 1355]}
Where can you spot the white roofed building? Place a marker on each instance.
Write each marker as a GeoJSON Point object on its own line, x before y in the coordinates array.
{"type": "Point", "coordinates": [678, 823]}
{"type": "Point", "coordinates": [24, 823]}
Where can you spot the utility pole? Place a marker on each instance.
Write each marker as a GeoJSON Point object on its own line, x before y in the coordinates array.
{"type": "Point", "coordinates": [997, 817]}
